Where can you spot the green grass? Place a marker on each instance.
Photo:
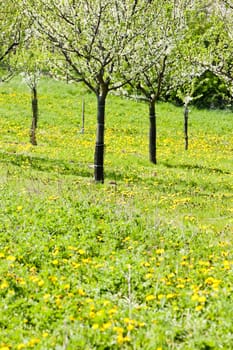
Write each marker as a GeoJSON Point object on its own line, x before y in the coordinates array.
{"type": "Point", "coordinates": [141, 262]}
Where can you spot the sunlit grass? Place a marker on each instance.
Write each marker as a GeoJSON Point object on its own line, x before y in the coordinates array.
{"type": "Point", "coordinates": [141, 262]}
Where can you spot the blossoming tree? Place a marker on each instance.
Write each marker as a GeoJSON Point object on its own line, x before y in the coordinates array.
{"type": "Point", "coordinates": [95, 40]}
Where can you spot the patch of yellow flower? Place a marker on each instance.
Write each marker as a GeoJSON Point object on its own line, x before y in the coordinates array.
{"type": "Point", "coordinates": [150, 297]}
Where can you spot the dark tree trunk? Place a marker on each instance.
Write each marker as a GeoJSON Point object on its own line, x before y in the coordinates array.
{"type": "Point", "coordinates": [152, 132]}
{"type": "Point", "coordinates": [99, 146]}
{"type": "Point", "coordinates": [186, 115]}
{"type": "Point", "coordinates": [83, 117]}
{"type": "Point", "coordinates": [34, 117]}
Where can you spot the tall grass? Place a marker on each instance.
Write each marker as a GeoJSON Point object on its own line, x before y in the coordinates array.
{"type": "Point", "coordinates": [141, 262]}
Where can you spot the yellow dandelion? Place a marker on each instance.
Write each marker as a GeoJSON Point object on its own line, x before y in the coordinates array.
{"type": "Point", "coordinates": [46, 297]}
{"type": "Point", "coordinates": [199, 307]}
{"type": "Point", "coordinates": [81, 292]}
{"type": "Point", "coordinates": [58, 303]}
{"type": "Point", "coordinates": [95, 326]}
{"type": "Point", "coordinates": [66, 286]}
{"type": "Point", "coordinates": [53, 279]}
{"type": "Point", "coordinates": [159, 251]}
{"type": "Point", "coordinates": [4, 285]}
{"type": "Point", "coordinates": [40, 283]}
{"type": "Point", "coordinates": [202, 299]}
{"type": "Point", "coordinates": [75, 265]}
{"type": "Point", "coordinates": [11, 258]}
{"type": "Point", "coordinates": [92, 314]}
{"type": "Point", "coordinates": [130, 327]}
{"type": "Point", "coordinates": [226, 265]}
{"type": "Point", "coordinates": [55, 262]}
{"type": "Point", "coordinates": [161, 296]}
{"type": "Point", "coordinates": [70, 247]}
{"type": "Point", "coordinates": [150, 297]}
{"type": "Point", "coordinates": [171, 295]}
{"type": "Point", "coordinates": [141, 324]}
{"type": "Point", "coordinates": [20, 346]}
{"type": "Point", "coordinates": [106, 325]}
{"type": "Point", "coordinates": [195, 297]}
{"type": "Point", "coordinates": [112, 311]}
{"type": "Point", "coordinates": [33, 342]}
{"type": "Point", "coordinates": [118, 330]}
{"type": "Point", "coordinates": [121, 339]}
{"type": "Point", "coordinates": [45, 334]}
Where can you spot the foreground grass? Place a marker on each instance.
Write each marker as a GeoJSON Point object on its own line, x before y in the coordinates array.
{"type": "Point", "coordinates": [142, 262]}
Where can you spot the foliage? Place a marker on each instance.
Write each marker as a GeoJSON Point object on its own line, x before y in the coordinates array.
{"type": "Point", "coordinates": [144, 261]}
{"type": "Point", "coordinates": [208, 91]}
{"type": "Point", "coordinates": [95, 40]}
{"type": "Point", "coordinates": [12, 35]}
{"type": "Point", "coordinates": [207, 47]}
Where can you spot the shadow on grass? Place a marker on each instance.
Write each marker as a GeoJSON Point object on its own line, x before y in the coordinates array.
{"type": "Point", "coordinates": [46, 164]}
{"type": "Point", "coordinates": [70, 167]}
{"type": "Point", "coordinates": [57, 166]}
{"type": "Point", "coordinates": [195, 167]}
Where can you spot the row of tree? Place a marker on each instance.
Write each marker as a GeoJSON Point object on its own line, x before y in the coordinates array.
{"type": "Point", "coordinates": [142, 48]}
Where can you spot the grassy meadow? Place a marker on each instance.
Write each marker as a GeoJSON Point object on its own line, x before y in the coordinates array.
{"type": "Point", "coordinates": [144, 261]}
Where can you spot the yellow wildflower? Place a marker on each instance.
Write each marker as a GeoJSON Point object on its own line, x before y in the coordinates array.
{"type": "Point", "coordinates": [11, 258]}
{"type": "Point", "coordinates": [95, 326]}
{"type": "Point", "coordinates": [81, 292]}
{"type": "Point", "coordinates": [199, 307]}
{"type": "Point", "coordinates": [121, 339]}
{"type": "Point", "coordinates": [150, 297]}
{"type": "Point", "coordinates": [4, 285]}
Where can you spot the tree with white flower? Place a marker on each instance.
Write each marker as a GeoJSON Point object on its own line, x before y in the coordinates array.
{"type": "Point", "coordinates": [96, 40]}
{"type": "Point", "coordinates": [11, 33]}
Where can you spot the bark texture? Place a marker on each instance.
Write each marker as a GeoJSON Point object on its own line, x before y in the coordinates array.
{"type": "Point", "coordinates": [186, 115]}
{"type": "Point", "coordinates": [152, 132]}
{"type": "Point", "coordinates": [99, 146]}
{"type": "Point", "coordinates": [34, 117]}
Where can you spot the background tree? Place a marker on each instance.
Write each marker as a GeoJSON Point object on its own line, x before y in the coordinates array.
{"type": "Point", "coordinates": [158, 58]}
{"type": "Point", "coordinates": [31, 61]}
{"type": "Point", "coordinates": [96, 40]}
{"type": "Point", "coordinates": [11, 32]}
{"type": "Point", "coordinates": [208, 43]}
{"type": "Point", "coordinates": [222, 63]}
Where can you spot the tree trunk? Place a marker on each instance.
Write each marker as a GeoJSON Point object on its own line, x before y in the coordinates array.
{"type": "Point", "coordinates": [34, 116]}
{"type": "Point", "coordinates": [99, 146]}
{"type": "Point", "coordinates": [152, 132]}
{"type": "Point", "coordinates": [186, 115]}
{"type": "Point", "coordinates": [83, 117]}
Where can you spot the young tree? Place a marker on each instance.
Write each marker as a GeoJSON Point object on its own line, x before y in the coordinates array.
{"type": "Point", "coordinates": [185, 91]}
{"type": "Point", "coordinates": [96, 39]}
{"type": "Point", "coordinates": [158, 59]}
{"type": "Point", "coordinates": [32, 79]}
{"type": "Point", "coordinates": [31, 61]}
{"type": "Point", "coordinates": [191, 49]}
